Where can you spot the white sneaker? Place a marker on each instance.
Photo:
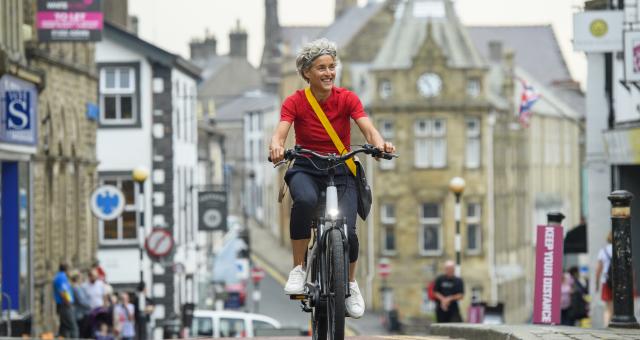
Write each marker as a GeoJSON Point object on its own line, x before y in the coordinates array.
{"type": "Point", "coordinates": [295, 284]}
{"type": "Point", "coordinates": [355, 302]}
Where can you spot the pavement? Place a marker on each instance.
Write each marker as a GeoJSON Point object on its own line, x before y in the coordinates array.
{"type": "Point", "coordinates": [267, 253]}
{"type": "Point", "coordinates": [531, 332]}
{"type": "Point", "coordinates": [387, 337]}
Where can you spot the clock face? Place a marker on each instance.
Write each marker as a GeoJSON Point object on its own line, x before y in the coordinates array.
{"type": "Point", "coordinates": [429, 85]}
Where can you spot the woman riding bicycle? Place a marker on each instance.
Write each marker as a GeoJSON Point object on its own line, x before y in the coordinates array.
{"type": "Point", "coordinates": [316, 63]}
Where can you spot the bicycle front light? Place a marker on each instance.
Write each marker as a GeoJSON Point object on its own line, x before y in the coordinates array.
{"type": "Point", "coordinates": [332, 201]}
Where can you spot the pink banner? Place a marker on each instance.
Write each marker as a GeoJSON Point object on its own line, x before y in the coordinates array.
{"type": "Point", "coordinates": [546, 298]}
{"type": "Point", "coordinates": [69, 20]}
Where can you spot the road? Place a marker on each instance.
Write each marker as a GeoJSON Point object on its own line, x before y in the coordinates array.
{"type": "Point", "coordinates": [382, 337]}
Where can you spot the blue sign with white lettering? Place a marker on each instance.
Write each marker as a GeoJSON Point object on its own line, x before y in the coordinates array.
{"type": "Point", "coordinates": [18, 111]}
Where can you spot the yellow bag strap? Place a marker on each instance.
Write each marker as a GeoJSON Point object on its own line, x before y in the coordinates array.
{"type": "Point", "coordinates": [327, 126]}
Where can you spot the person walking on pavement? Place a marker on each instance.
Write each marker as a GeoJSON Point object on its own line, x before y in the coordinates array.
{"type": "Point", "coordinates": [63, 296]}
{"type": "Point", "coordinates": [82, 304]}
{"type": "Point", "coordinates": [448, 290]}
{"type": "Point", "coordinates": [316, 64]}
{"type": "Point", "coordinates": [603, 278]}
{"type": "Point", "coordinates": [95, 288]}
{"type": "Point", "coordinates": [124, 318]}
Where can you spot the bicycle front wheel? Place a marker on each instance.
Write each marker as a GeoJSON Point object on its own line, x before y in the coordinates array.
{"type": "Point", "coordinates": [336, 285]}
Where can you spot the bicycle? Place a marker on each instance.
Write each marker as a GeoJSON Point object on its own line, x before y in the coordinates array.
{"type": "Point", "coordinates": [327, 261]}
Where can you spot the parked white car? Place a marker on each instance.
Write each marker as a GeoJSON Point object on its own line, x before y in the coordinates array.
{"type": "Point", "coordinates": [229, 324]}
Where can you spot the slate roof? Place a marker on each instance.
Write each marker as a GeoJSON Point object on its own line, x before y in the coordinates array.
{"type": "Point", "coordinates": [295, 36]}
{"type": "Point", "coordinates": [410, 30]}
{"type": "Point", "coordinates": [533, 44]}
{"type": "Point", "coordinates": [352, 21]}
{"type": "Point", "coordinates": [234, 109]}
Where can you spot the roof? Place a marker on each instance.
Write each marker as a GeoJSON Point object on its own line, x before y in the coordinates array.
{"type": "Point", "coordinates": [212, 65]}
{"type": "Point", "coordinates": [532, 44]}
{"type": "Point", "coordinates": [294, 37]}
{"type": "Point", "coordinates": [409, 32]}
{"type": "Point", "coordinates": [226, 77]}
{"type": "Point", "coordinates": [253, 101]}
{"type": "Point", "coordinates": [347, 25]}
{"type": "Point", "coordinates": [150, 50]}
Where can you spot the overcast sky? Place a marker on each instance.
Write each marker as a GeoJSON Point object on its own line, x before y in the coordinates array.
{"type": "Point", "coordinates": [172, 24]}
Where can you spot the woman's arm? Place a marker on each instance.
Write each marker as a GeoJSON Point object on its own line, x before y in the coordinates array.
{"type": "Point", "coordinates": [598, 274]}
{"type": "Point", "coordinates": [276, 148]}
{"type": "Point", "coordinates": [372, 135]}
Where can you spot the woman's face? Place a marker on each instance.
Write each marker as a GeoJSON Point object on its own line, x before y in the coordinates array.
{"type": "Point", "coordinates": [322, 73]}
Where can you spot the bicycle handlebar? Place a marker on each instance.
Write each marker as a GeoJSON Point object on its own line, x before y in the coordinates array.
{"type": "Point", "coordinates": [368, 149]}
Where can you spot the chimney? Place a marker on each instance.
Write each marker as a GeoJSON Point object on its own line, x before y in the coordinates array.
{"type": "Point", "coordinates": [238, 42]}
{"type": "Point", "coordinates": [133, 24]}
{"type": "Point", "coordinates": [343, 5]}
{"type": "Point", "coordinates": [116, 12]}
{"type": "Point", "coordinates": [495, 51]}
{"type": "Point", "coordinates": [204, 49]}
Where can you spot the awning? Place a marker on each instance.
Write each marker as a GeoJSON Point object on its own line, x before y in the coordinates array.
{"type": "Point", "coordinates": [575, 242]}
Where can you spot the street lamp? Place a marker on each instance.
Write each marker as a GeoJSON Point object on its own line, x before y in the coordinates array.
{"type": "Point", "coordinates": [139, 176]}
{"type": "Point", "coordinates": [456, 185]}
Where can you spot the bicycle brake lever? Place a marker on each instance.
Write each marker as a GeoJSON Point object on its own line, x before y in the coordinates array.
{"type": "Point", "coordinates": [280, 163]}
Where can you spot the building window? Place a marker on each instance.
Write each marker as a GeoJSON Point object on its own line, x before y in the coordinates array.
{"type": "Point", "coordinates": [118, 97]}
{"type": "Point", "coordinates": [430, 229]}
{"type": "Point", "coordinates": [388, 220]}
{"type": "Point", "coordinates": [387, 130]}
{"type": "Point", "coordinates": [430, 143]}
{"type": "Point", "coordinates": [122, 229]}
{"type": "Point", "coordinates": [473, 87]}
{"type": "Point", "coordinates": [385, 89]}
{"type": "Point", "coordinates": [472, 150]}
{"type": "Point", "coordinates": [474, 229]}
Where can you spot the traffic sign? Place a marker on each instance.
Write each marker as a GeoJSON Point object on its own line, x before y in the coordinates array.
{"type": "Point", "coordinates": [384, 269]}
{"type": "Point", "coordinates": [107, 202]}
{"type": "Point", "coordinates": [159, 243]}
{"type": "Point", "coordinates": [257, 274]}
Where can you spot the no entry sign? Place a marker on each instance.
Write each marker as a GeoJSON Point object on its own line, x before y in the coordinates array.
{"type": "Point", "coordinates": [159, 243]}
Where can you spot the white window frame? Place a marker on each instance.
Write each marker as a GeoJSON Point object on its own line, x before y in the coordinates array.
{"type": "Point", "coordinates": [430, 221]}
{"type": "Point", "coordinates": [474, 84]}
{"type": "Point", "coordinates": [475, 219]}
{"type": "Point", "coordinates": [387, 131]}
{"type": "Point", "coordinates": [118, 92]}
{"type": "Point", "coordinates": [388, 222]}
{"type": "Point", "coordinates": [127, 208]}
{"type": "Point", "coordinates": [473, 145]}
{"type": "Point", "coordinates": [427, 138]}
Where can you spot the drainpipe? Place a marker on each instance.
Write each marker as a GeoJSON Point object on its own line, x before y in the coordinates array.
{"type": "Point", "coordinates": [370, 248]}
{"type": "Point", "coordinates": [491, 120]}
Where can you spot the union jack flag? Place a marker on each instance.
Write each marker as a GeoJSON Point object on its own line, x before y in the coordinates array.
{"type": "Point", "coordinates": [528, 97]}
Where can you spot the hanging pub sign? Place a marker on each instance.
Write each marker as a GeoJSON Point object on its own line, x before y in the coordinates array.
{"type": "Point", "coordinates": [212, 210]}
{"type": "Point", "coordinates": [18, 111]}
{"type": "Point", "coordinates": [69, 20]}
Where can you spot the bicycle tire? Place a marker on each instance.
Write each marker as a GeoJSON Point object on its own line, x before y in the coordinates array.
{"type": "Point", "coordinates": [319, 325]}
{"type": "Point", "coordinates": [336, 286]}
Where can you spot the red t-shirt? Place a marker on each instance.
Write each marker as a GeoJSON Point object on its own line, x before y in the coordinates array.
{"type": "Point", "coordinates": [341, 105]}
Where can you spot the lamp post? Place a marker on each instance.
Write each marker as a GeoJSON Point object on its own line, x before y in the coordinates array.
{"type": "Point", "coordinates": [456, 185]}
{"type": "Point", "coordinates": [139, 176]}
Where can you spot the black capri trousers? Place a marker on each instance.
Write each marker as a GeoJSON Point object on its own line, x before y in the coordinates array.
{"type": "Point", "coordinates": [306, 183]}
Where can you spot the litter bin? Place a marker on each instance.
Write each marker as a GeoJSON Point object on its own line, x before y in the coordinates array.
{"type": "Point", "coordinates": [187, 314]}
{"type": "Point", "coordinates": [393, 321]}
{"type": "Point", "coordinates": [171, 328]}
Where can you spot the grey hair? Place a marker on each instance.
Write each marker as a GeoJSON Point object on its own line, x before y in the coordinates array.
{"type": "Point", "coordinates": [311, 51]}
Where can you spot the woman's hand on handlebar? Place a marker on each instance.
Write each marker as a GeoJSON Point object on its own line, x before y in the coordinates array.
{"type": "Point", "coordinates": [276, 152]}
{"type": "Point", "coordinates": [386, 147]}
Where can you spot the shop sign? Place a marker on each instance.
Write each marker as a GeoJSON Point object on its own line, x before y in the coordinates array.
{"type": "Point", "coordinates": [18, 111]}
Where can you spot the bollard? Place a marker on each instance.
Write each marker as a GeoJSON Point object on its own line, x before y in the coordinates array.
{"type": "Point", "coordinates": [622, 275]}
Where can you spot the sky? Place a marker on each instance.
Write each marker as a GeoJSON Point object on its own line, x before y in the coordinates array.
{"type": "Point", "coordinates": [172, 24]}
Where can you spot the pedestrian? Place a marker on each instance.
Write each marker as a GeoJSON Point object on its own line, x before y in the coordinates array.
{"type": "Point", "coordinates": [448, 290]}
{"type": "Point", "coordinates": [603, 277]}
{"type": "Point", "coordinates": [63, 296]}
{"type": "Point", "coordinates": [565, 300]}
{"type": "Point", "coordinates": [124, 318]}
{"type": "Point", "coordinates": [82, 304]}
{"type": "Point", "coordinates": [103, 332]}
{"type": "Point", "coordinates": [579, 306]}
{"type": "Point", "coordinates": [99, 271]}
{"type": "Point", "coordinates": [95, 288]}
{"type": "Point", "coordinates": [144, 307]}
{"type": "Point", "coordinates": [317, 64]}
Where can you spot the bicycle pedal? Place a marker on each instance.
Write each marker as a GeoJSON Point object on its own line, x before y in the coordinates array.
{"type": "Point", "coordinates": [297, 297]}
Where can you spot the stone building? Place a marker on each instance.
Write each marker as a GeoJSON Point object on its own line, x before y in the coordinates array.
{"type": "Point", "coordinates": [51, 173]}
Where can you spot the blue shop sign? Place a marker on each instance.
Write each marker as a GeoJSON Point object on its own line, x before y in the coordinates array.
{"type": "Point", "coordinates": [18, 111]}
